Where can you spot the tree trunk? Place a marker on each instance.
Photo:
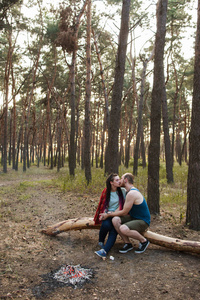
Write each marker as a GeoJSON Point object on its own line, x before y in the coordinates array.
{"type": "Point", "coordinates": [131, 126]}
{"type": "Point", "coordinates": [168, 156]}
{"type": "Point", "coordinates": [102, 143]}
{"type": "Point", "coordinates": [115, 113]}
{"type": "Point", "coordinates": [44, 140]}
{"type": "Point", "coordinates": [178, 88]}
{"type": "Point", "coordinates": [14, 121]}
{"type": "Point", "coordinates": [25, 144]}
{"type": "Point", "coordinates": [59, 139]}
{"type": "Point", "coordinates": [29, 100]}
{"type": "Point", "coordinates": [157, 95]}
{"type": "Point", "coordinates": [106, 110]}
{"type": "Point", "coordinates": [173, 126]}
{"type": "Point", "coordinates": [10, 142]}
{"type": "Point", "coordinates": [140, 113]}
{"type": "Point", "coordinates": [77, 142]}
{"type": "Point", "coordinates": [72, 154]}
{"type": "Point", "coordinates": [72, 146]}
{"type": "Point", "coordinates": [82, 153]}
{"type": "Point", "coordinates": [154, 238]}
{"type": "Point", "coordinates": [5, 104]}
{"type": "Point", "coordinates": [178, 148]}
{"type": "Point", "coordinates": [50, 150]}
{"type": "Point", "coordinates": [143, 150]}
{"type": "Point", "coordinates": [18, 146]}
{"type": "Point", "coordinates": [87, 129]}
{"type": "Point", "coordinates": [97, 139]}
{"type": "Point", "coordinates": [193, 187]}
{"type": "Point", "coordinates": [184, 149]}
{"type": "Point", "coordinates": [178, 135]}
{"type": "Point", "coordinates": [107, 113]}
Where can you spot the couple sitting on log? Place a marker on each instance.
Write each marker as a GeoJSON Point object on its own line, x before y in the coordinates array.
{"type": "Point", "coordinates": [134, 207]}
{"type": "Point", "coordinates": [122, 209]}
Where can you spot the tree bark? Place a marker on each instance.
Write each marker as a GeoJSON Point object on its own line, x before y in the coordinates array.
{"type": "Point", "coordinates": [59, 139]}
{"type": "Point", "coordinates": [115, 113]}
{"type": "Point", "coordinates": [87, 129]}
{"type": "Point", "coordinates": [153, 195]}
{"type": "Point", "coordinates": [131, 127]}
{"type": "Point", "coordinates": [72, 154]}
{"type": "Point", "coordinates": [140, 113]}
{"type": "Point", "coordinates": [178, 89]}
{"type": "Point", "coordinates": [106, 110]}
{"type": "Point", "coordinates": [143, 150]}
{"type": "Point", "coordinates": [193, 188]}
{"type": "Point", "coordinates": [48, 110]}
{"type": "Point", "coordinates": [29, 102]}
{"type": "Point", "coordinates": [18, 145]}
{"type": "Point", "coordinates": [107, 113]}
{"type": "Point", "coordinates": [168, 156]}
{"type": "Point", "coordinates": [5, 104]}
{"type": "Point", "coordinates": [72, 147]}
{"type": "Point", "coordinates": [14, 121]}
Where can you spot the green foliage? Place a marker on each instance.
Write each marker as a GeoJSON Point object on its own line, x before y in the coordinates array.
{"type": "Point", "coordinates": [78, 184]}
{"type": "Point", "coordinates": [5, 5]}
{"type": "Point", "coordinates": [24, 185]}
{"type": "Point", "coordinates": [173, 197]}
{"type": "Point", "coordinates": [180, 175]}
{"type": "Point", "coordinates": [52, 31]}
{"type": "Point", "coordinates": [173, 194]}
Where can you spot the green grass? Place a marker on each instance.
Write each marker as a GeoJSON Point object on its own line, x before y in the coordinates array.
{"type": "Point", "coordinates": [173, 196]}
{"type": "Point", "coordinates": [79, 184]}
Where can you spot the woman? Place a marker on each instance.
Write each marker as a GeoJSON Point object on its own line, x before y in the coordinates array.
{"type": "Point", "coordinates": [112, 199]}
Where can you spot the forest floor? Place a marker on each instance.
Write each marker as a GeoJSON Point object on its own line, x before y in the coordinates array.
{"type": "Point", "coordinates": [32, 202]}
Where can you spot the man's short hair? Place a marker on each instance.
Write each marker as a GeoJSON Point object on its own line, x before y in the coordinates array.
{"type": "Point", "coordinates": [129, 177]}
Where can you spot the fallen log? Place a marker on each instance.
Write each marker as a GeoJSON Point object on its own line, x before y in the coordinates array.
{"type": "Point", "coordinates": [154, 238]}
{"type": "Point", "coordinates": [172, 243]}
{"type": "Point", "coordinates": [71, 224]}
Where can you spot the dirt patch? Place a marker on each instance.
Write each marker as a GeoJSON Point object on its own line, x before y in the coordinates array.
{"type": "Point", "coordinates": [27, 256]}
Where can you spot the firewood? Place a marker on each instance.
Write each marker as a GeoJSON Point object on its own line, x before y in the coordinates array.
{"type": "Point", "coordinates": [154, 238]}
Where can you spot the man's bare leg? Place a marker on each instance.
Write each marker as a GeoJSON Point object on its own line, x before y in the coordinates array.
{"type": "Point", "coordinates": [117, 224]}
{"type": "Point", "coordinates": [134, 235]}
{"type": "Point", "coordinates": [125, 231]}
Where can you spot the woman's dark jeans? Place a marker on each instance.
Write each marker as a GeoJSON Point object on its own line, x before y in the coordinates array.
{"type": "Point", "coordinates": [107, 228]}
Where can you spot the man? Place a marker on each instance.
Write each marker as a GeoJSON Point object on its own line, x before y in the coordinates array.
{"type": "Point", "coordinates": [133, 219]}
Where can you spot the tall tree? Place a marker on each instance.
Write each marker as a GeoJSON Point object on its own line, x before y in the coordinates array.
{"type": "Point", "coordinates": [11, 42]}
{"type": "Point", "coordinates": [157, 95]}
{"type": "Point", "coordinates": [68, 39]}
{"type": "Point", "coordinates": [168, 156]}
{"type": "Point", "coordinates": [6, 94]}
{"type": "Point", "coordinates": [131, 127]}
{"type": "Point", "coordinates": [178, 19]}
{"type": "Point", "coordinates": [87, 127]}
{"type": "Point", "coordinates": [14, 119]}
{"type": "Point", "coordinates": [193, 188]}
{"type": "Point", "coordinates": [106, 110]}
{"type": "Point", "coordinates": [113, 132]}
{"type": "Point", "coordinates": [140, 112]}
{"type": "Point", "coordinates": [29, 100]}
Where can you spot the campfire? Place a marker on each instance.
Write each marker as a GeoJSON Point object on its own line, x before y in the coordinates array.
{"type": "Point", "coordinates": [73, 274]}
{"type": "Point", "coordinates": [66, 275]}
